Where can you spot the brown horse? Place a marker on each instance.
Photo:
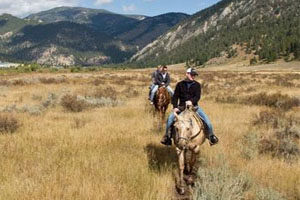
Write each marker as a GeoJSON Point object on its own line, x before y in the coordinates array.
{"type": "Point", "coordinates": [188, 136]}
{"type": "Point", "coordinates": [161, 103]}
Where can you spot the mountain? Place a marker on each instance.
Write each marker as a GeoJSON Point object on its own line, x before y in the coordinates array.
{"type": "Point", "coordinates": [10, 24]}
{"type": "Point", "coordinates": [136, 30]}
{"type": "Point", "coordinates": [268, 30]}
{"type": "Point", "coordinates": [75, 14]}
{"type": "Point", "coordinates": [66, 43]}
{"type": "Point", "coordinates": [147, 30]}
{"type": "Point", "coordinates": [71, 36]}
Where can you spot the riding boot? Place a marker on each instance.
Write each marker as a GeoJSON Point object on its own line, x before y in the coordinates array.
{"type": "Point", "coordinates": [166, 140]}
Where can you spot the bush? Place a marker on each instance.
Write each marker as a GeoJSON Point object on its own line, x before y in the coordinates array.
{"type": "Point", "coordinates": [276, 100]}
{"type": "Point", "coordinates": [8, 123]}
{"type": "Point", "coordinates": [249, 145]}
{"type": "Point", "coordinates": [221, 184]}
{"type": "Point", "coordinates": [71, 103]}
{"type": "Point", "coordinates": [52, 80]}
{"type": "Point", "coordinates": [281, 148]}
{"type": "Point", "coordinates": [107, 92]}
{"type": "Point", "coordinates": [268, 117]}
{"type": "Point", "coordinates": [268, 194]}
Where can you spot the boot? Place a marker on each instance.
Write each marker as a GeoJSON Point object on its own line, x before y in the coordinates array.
{"type": "Point", "coordinates": [213, 140]}
{"type": "Point", "coordinates": [166, 140]}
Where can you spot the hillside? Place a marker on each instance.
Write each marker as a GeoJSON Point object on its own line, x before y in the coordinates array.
{"type": "Point", "coordinates": [66, 43]}
{"type": "Point", "coordinates": [268, 29]}
{"type": "Point", "coordinates": [79, 36]}
{"type": "Point", "coordinates": [10, 24]}
{"type": "Point", "coordinates": [137, 30]}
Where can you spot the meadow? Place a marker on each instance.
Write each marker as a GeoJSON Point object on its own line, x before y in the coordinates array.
{"type": "Point", "coordinates": [93, 135]}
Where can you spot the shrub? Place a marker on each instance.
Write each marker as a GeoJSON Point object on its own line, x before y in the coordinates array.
{"type": "Point", "coordinates": [4, 83]}
{"type": "Point", "coordinates": [226, 99]}
{"type": "Point", "coordinates": [52, 80]}
{"type": "Point", "coordinates": [107, 92]}
{"type": "Point", "coordinates": [19, 82]}
{"type": "Point", "coordinates": [249, 145]}
{"type": "Point", "coordinates": [282, 139]}
{"type": "Point", "coordinates": [98, 81]}
{"type": "Point", "coordinates": [8, 123]}
{"type": "Point", "coordinates": [71, 103]}
{"type": "Point", "coordinates": [268, 194]}
{"type": "Point", "coordinates": [130, 92]}
{"type": "Point", "coordinates": [221, 184]}
{"type": "Point", "coordinates": [276, 100]}
{"type": "Point", "coordinates": [282, 81]}
{"type": "Point", "coordinates": [268, 117]}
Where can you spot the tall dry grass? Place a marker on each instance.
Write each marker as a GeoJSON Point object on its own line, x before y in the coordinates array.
{"type": "Point", "coordinates": [113, 152]}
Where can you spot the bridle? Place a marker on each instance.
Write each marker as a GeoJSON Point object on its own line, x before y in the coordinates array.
{"type": "Point", "coordinates": [194, 136]}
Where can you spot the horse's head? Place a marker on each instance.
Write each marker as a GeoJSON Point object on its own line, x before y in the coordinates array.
{"type": "Point", "coordinates": [185, 127]}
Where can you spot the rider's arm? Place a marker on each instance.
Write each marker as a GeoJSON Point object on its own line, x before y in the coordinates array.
{"type": "Point", "coordinates": [168, 80]}
{"type": "Point", "coordinates": [197, 94]}
{"type": "Point", "coordinates": [157, 79]}
{"type": "Point", "coordinates": [176, 96]}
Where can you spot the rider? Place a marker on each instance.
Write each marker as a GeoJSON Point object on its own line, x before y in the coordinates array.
{"type": "Point", "coordinates": [153, 75]}
{"type": "Point", "coordinates": [188, 92]}
{"type": "Point", "coordinates": [162, 78]}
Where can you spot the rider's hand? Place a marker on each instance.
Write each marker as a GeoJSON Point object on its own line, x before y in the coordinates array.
{"type": "Point", "coordinates": [188, 103]}
{"type": "Point", "coordinates": [176, 110]}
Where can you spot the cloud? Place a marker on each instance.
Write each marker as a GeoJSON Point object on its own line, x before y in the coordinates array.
{"type": "Point", "coordinates": [23, 8]}
{"type": "Point", "coordinates": [101, 2]}
{"type": "Point", "coordinates": [129, 8]}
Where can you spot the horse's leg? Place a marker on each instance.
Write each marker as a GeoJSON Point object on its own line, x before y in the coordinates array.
{"type": "Point", "coordinates": [192, 170]}
{"type": "Point", "coordinates": [160, 121]}
{"type": "Point", "coordinates": [194, 156]}
{"type": "Point", "coordinates": [180, 154]}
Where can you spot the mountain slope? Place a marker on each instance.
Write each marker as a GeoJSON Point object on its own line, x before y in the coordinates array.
{"type": "Point", "coordinates": [145, 31]}
{"type": "Point", "coordinates": [134, 29]}
{"type": "Point", "coordinates": [11, 24]}
{"type": "Point", "coordinates": [268, 28]}
{"type": "Point", "coordinates": [65, 43]}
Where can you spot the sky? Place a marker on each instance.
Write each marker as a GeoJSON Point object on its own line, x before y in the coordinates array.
{"type": "Point", "coordinates": [23, 8]}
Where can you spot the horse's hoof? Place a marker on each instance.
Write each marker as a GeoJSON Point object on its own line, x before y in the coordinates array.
{"type": "Point", "coordinates": [189, 180]}
{"type": "Point", "coordinates": [180, 190]}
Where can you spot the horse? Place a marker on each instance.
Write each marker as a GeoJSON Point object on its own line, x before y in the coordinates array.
{"type": "Point", "coordinates": [188, 135]}
{"type": "Point", "coordinates": [161, 102]}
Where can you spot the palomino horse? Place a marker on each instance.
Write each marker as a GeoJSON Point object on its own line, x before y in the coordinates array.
{"type": "Point", "coordinates": [188, 136]}
{"type": "Point", "coordinates": [161, 103]}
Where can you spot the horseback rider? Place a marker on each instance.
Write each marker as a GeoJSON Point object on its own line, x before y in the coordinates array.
{"type": "Point", "coordinates": [153, 75]}
{"type": "Point", "coordinates": [162, 79]}
{"type": "Point", "coordinates": [188, 92]}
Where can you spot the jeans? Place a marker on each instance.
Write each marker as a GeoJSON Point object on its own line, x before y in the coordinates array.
{"type": "Point", "coordinates": [155, 88]}
{"type": "Point", "coordinates": [200, 112]}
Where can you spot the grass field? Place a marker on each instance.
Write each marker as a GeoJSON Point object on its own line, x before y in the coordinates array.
{"type": "Point", "coordinates": [93, 136]}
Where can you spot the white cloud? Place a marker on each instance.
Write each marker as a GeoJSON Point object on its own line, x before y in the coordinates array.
{"type": "Point", "coordinates": [101, 2]}
{"type": "Point", "coordinates": [23, 8]}
{"type": "Point", "coordinates": [129, 8]}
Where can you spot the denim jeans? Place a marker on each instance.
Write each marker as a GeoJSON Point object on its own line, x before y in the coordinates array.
{"type": "Point", "coordinates": [155, 88]}
{"type": "Point", "coordinates": [200, 112]}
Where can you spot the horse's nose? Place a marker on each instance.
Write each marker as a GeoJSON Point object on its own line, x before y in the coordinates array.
{"type": "Point", "coordinates": [182, 143]}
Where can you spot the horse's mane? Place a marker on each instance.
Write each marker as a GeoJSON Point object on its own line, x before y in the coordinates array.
{"type": "Point", "coordinates": [189, 115]}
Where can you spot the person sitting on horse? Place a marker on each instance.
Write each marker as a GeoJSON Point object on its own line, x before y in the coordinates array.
{"type": "Point", "coordinates": [188, 92]}
{"type": "Point", "coordinates": [162, 79]}
{"type": "Point", "coordinates": [153, 75]}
